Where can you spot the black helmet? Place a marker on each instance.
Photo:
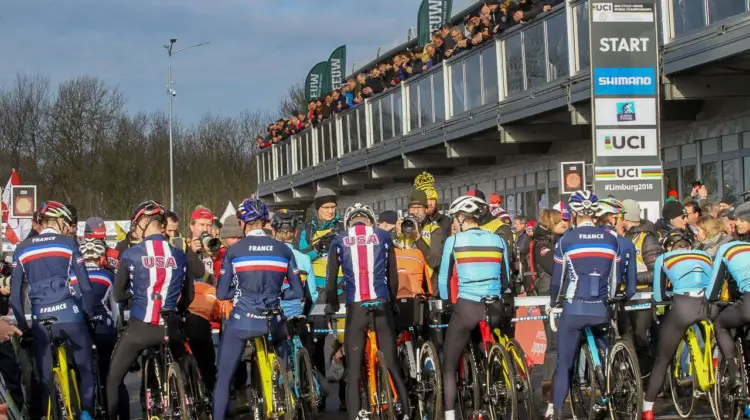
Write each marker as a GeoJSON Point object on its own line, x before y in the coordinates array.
{"type": "Point", "coordinates": [284, 220]}
{"type": "Point", "coordinates": [674, 237]}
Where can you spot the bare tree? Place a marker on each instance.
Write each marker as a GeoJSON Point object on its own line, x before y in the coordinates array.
{"type": "Point", "coordinates": [292, 103]}
{"type": "Point", "coordinates": [24, 106]}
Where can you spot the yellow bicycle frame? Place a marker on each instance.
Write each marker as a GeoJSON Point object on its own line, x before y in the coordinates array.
{"type": "Point", "coordinates": [504, 341]}
{"type": "Point", "coordinates": [703, 358]}
{"type": "Point", "coordinates": [265, 361]}
{"type": "Point", "coordinates": [64, 375]}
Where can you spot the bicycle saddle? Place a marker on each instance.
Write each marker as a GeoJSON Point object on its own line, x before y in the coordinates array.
{"type": "Point", "coordinates": [423, 296]}
{"type": "Point", "coordinates": [489, 300]}
{"type": "Point", "coordinates": [47, 321]}
{"type": "Point", "coordinates": [271, 312]}
{"type": "Point", "coordinates": [600, 330]}
{"type": "Point", "coordinates": [167, 312]}
{"type": "Point", "coordinates": [371, 305]}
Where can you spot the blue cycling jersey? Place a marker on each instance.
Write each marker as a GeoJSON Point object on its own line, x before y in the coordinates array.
{"type": "Point", "coordinates": [295, 307]}
{"type": "Point", "coordinates": [734, 258]}
{"type": "Point", "coordinates": [481, 262]}
{"type": "Point", "coordinates": [689, 271]}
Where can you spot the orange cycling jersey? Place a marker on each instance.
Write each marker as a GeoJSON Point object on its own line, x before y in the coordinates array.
{"type": "Point", "coordinates": [205, 304]}
{"type": "Point", "coordinates": [412, 273]}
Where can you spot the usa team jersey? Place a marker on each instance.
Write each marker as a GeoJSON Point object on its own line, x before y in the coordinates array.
{"type": "Point", "coordinates": [102, 281]}
{"type": "Point", "coordinates": [481, 262]}
{"type": "Point", "coordinates": [732, 257]}
{"type": "Point", "coordinates": [689, 271]}
{"type": "Point", "coordinates": [153, 274]}
{"type": "Point", "coordinates": [48, 261]}
{"type": "Point", "coordinates": [368, 263]}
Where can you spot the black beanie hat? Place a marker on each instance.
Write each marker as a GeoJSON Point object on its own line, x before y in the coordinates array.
{"type": "Point", "coordinates": [324, 196]}
{"type": "Point", "coordinates": [418, 197]}
{"type": "Point", "coordinates": [673, 209]}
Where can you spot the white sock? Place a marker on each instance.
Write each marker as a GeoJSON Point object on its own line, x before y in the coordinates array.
{"type": "Point", "coordinates": [450, 415]}
{"type": "Point", "coordinates": [648, 406]}
{"type": "Point", "coordinates": [550, 410]}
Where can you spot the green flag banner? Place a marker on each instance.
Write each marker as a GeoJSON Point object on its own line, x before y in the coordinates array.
{"type": "Point", "coordinates": [316, 81]}
{"type": "Point", "coordinates": [337, 67]}
{"type": "Point", "coordinates": [432, 15]}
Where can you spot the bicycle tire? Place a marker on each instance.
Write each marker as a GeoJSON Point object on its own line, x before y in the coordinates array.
{"type": "Point", "coordinates": [467, 386]}
{"type": "Point", "coordinates": [284, 402]}
{"type": "Point", "coordinates": [385, 397]}
{"type": "Point", "coordinates": [582, 405]}
{"type": "Point", "coordinates": [176, 401]}
{"type": "Point", "coordinates": [256, 400]}
{"type": "Point", "coordinates": [56, 404]}
{"type": "Point", "coordinates": [428, 354]}
{"type": "Point", "coordinates": [683, 408]}
{"type": "Point", "coordinates": [198, 396]}
{"type": "Point", "coordinates": [524, 385]}
{"type": "Point", "coordinates": [616, 389]}
{"type": "Point", "coordinates": [729, 408]}
{"type": "Point", "coordinates": [152, 395]}
{"type": "Point", "coordinates": [5, 398]}
{"type": "Point", "coordinates": [500, 368]}
{"type": "Point", "coordinates": [404, 362]}
{"type": "Point", "coordinates": [306, 386]}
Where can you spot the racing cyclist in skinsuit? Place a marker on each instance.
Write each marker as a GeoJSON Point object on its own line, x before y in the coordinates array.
{"type": "Point", "coordinates": [585, 275]}
{"type": "Point", "coordinates": [689, 272]}
{"type": "Point", "coordinates": [152, 274]}
{"type": "Point", "coordinates": [480, 259]}
{"type": "Point", "coordinates": [48, 261]}
{"type": "Point", "coordinates": [253, 274]}
{"type": "Point", "coordinates": [368, 261]}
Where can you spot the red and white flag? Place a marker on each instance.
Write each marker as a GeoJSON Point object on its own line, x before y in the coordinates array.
{"type": "Point", "coordinates": [16, 230]}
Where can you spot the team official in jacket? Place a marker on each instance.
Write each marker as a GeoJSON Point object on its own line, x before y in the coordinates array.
{"type": "Point", "coordinates": [152, 274]}
{"type": "Point", "coordinates": [253, 274]}
{"type": "Point", "coordinates": [48, 261]}
{"type": "Point", "coordinates": [368, 261]}
{"type": "Point", "coordinates": [585, 275]}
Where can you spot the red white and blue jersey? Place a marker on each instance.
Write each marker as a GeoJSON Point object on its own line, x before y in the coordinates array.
{"type": "Point", "coordinates": [48, 261]}
{"type": "Point", "coordinates": [253, 274]}
{"type": "Point", "coordinates": [155, 272]}
{"type": "Point", "coordinates": [102, 281]}
{"type": "Point", "coordinates": [364, 254]}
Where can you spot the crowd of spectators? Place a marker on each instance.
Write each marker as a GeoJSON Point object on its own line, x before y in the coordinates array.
{"type": "Point", "coordinates": [495, 17]}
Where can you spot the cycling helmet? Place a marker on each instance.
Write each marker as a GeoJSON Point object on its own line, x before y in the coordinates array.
{"type": "Point", "coordinates": [609, 206]}
{"type": "Point", "coordinates": [54, 210]}
{"type": "Point", "coordinates": [148, 208]}
{"type": "Point", "coordinates": [468, 206]}
{"type": "Point", "coordinates": [584, 202]}
{"type": "Point", "coordinates": [284, 220]}
{"type": "Point", "coordinates": [674, 237]}
{"type": "Point", "coordinates": [251, 210]}
{"type": "Point", "coordinates": [358, 210]}
{"type": "Point", "coordinates": [93, 249]}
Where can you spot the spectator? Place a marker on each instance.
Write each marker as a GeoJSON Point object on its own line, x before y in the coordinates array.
{"type": "Point", "coordinates": [741, 215]}
{"type": "Point", "coordinates": [726, 202]}
{"type": "Point", "coordinates": [387, 221]}
{"type": "Point", "coordinates": [351, 84]}
{"type": "Point", "coordinates": [525, 10]}
{"type": "Point", "coordinates": [547, 5]}
{"type": "Point", "coordinates": [449, 43]}
{"type": "Point", "coordinates": [359, 90]}
{"type": "Point", "coordinates": [693, 214]}
{"type": "Point", "coordinates": [711, 235]}
{"type": "Point", "coordinates": [438, 41]}
{"type": "Point", "coordinates": [674, 217]}
{"type": "Point", "coordinates": [429, 57]}
{"type": "Point", "coordinates": [460, 43]}
{"type": "Point", "coordinates": [375, 84]}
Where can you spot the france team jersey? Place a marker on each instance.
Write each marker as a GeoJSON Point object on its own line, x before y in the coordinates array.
{"type": "Point", "coordinates": [689, 271]}
{"type": "Point", "coordinates": [481, 262]}
{"type": "Point", "coordinates": [734, 258]}
{"type": "Point", "coordinates": [101, 283]}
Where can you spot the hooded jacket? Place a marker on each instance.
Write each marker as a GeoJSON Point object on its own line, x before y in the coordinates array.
{"type": "Point", "coordinates": [649, 250]}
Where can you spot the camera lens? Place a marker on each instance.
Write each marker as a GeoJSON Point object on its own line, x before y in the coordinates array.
{"type": "Point", "coordinates": [408, 225]}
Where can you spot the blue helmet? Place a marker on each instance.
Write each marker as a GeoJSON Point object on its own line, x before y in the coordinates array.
{"type": "Point", "coordinates": [252, 209]}
{"type": "Point", "coordinates": [585, 203]}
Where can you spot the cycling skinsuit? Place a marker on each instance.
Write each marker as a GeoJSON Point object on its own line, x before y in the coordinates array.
{"type": "Point", "coordinates": [304, 265]}
{"type": "Point", "coordinates": [252, 274]}
{"type": "Point", "coordinates": [689, 273]}
{"type": "Point", "coordinates": [48, 261]}
{"type": "Point", "coordinates": [481, 262]}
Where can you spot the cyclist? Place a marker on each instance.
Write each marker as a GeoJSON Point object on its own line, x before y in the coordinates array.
{"type": "Point", "coordinates": [689, 272]}
{"type": "Point", "coordinates": [106, 315]}
{"type": "Point", "coordinates": [48, 261]}
{"type": "Point", "coordinates": [368, 261]}
{"type": "Point", "coordinates": [481, 261]}
{"type": "Point", "coordinates": [284, 226]}
{"type": "Point", "coordinates": [585, 274]}
{"type": "Point", "coordinates": [253, 273]}
{"type": "Point", "coordinates": [152, 274]}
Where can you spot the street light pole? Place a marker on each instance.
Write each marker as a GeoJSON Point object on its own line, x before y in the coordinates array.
{"type": "Point", "coordinates": [172, 93]}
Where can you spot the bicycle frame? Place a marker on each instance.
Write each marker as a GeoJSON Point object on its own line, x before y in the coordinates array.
{"type": "Point", "coordinates": [61, 369]}
{"type": "Point", "coordinates": [371, 356]}
{"type": "Point", "coordinates": [265, 360]}
{"type": "Point", "coordinates": [703, 368]}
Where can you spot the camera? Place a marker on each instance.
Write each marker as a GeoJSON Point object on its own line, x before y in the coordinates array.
{"type": "Point", "coordinates": [209, 242]}
{"type": "Point", "coordinates": [409, 224]}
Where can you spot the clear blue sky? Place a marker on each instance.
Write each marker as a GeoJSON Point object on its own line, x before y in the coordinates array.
{"type": "Point", "coordinates": [258, 47]}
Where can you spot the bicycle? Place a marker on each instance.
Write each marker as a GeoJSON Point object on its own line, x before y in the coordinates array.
{"type": "Point", "coordinates": [595, 392]}
{"type": "Point", "coordinates": [163, 399]}
{"type": "Point", "coordinates": [305, 383]}
{"type": "Point", "coordinates": [522, 366]}
{"type": "Point", "coordinates": [64, 397]}
{"type": "Point", "coordinates": [487, 384]}
{"type": "Point", "coordinates": [730, 405]}
{"type": "Point", "coordinates": [198, 396]}
{"type": "Point", "coordinates": [420, 366]}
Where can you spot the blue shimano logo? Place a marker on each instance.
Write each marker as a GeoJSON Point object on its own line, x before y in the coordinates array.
{"type": "Point", "coordinates": [625, 81]}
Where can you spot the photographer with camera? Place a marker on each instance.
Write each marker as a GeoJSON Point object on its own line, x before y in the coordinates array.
{"type": "Point", "coordinates": [428, 237]}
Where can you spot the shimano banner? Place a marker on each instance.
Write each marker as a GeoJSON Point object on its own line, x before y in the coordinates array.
{"type": "Point", "coordinates": [625, 102]}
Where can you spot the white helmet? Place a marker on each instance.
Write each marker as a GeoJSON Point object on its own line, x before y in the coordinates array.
{"type": "Point", "coordinates": [92, 249]}
{"type": "Point", "coordinates": [585, 203]}
{"type": "Point", "coordinates": [358, 210]}
{"type": "Point", "coordinates": [469, 206]}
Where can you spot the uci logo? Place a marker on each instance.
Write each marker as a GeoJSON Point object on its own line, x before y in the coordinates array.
{"type": "Point", "coordinates": [623, 142]}
{"type": "Point", "coordinates": [158, 262]}
{"type": "Point", "coordinates": [603, 7]}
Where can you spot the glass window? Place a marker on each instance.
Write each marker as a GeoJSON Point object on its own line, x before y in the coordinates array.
{"type": "Point", "coordinates": [530, 208]}
{"type": "Point", "coordinates": [510, 183]}
{"type": "Point", "coordinates": [457, 87]}
{"type": "Point", "coordinates": [519, 181]}
{"type": "Point", "coordinates": [387, 112]}
{"type": "Point", "coordinates": [500, 185]}
{"type": "Point", "coordinates": [554, 196]}
{"type": "Point", "coordinates": [536, 62]}
{"type": "Point", "coordinates": [746, 163]}
{"type": "Point", "coordinates": [688, 176]}
{"type": "Point", "coordinates": [376, 120]}
{"type": "Point", "coordinates": [353, 131]}
{"type": "Point", "coordinates": [397, 113]}
{"type": "Point", "coordinates": [557, 42]}
{"type": "Point", "coordinates": [671, 154]}
{"type": "Point", "coordinates": [513, 64]}
{"type": "Point", "coordinates": [688, 15]}
{"type": "Point", "coordinates": [708, 147]}
{"type": "Point", "coordinates": [746, 140]}
{"type": "Point", "coordinates": [362, 127]}
{"type": "Point", "coordinates": [670, 180]}
{"type": "Point", "coordinates": [438, 93]}
{"type": "Point", "coordinates": [582, 35]}
{"type": "Point", "coordinates": [489, 74]}
{"type": "Point", "coordinates": [425, 101]}
{"type": "Point", "coordinates": [709, 177]}
{"type": "Point", "coordinates": [345, 130]}
{"type": "Point", "coordinates": [730, 142]}
{"type": "Point", "coordinates": [731, 176]}
{"type": "Point", "coordinates": [486, 188]}
{"type": "Point", "coordinates": [414, 105]}
{"type": "Point", "coordinates": [688, 151]}
{"type": "Point", "coordinates": [334, 138]}
{"type": "Point", "coordinates": [553, 175]}
{"type": "Point", "coordinates": [721, 9]}
{"type": "Point", "coordinates": [473, 82]}
{"type": "Point", "coordinates": [530, 181]}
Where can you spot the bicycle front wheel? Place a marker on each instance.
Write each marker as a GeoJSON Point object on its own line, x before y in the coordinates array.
{"type": "Point", "coordinates": [501, 385]}
{"type": "Point", "coordinates": [524, 387]}
{"type": "Point", "coordinates": [176, 396]}
{"type": "Point", "coordinates": [624, 385]}
{"type": "Point", "coordinates": [467, 385]}
{"type": "Point", "coordinates": [198, 396]}
{"type": "Point", "coordinates": [383, 392]}
{"type": "Point", "coordinates": [430, 386]}
{"type": "Point", "coordinates": [584, 388]}
{"type": "Point", "coordinates": [309, 395]}
{"type": "Point", "coordinates": [729, 406]}
{"type": "Point", "coordinates": [682, 381]}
